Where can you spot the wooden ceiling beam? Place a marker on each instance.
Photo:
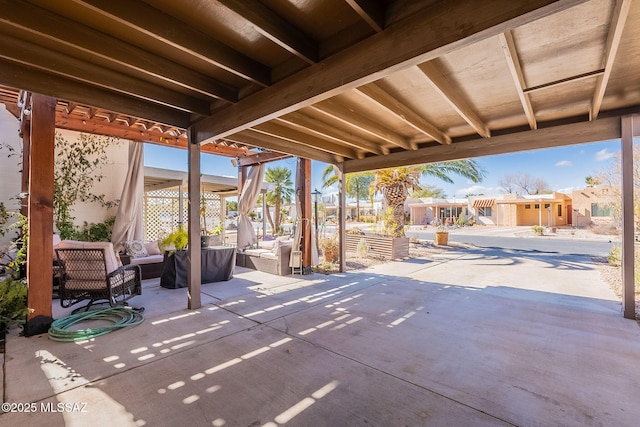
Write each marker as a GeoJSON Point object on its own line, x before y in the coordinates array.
{"type": "Point", "coordinates": [325, 130]}
{"type": "Point", "coordinates": [17, 75]}
{"type": "Point", "coordinates": [13, 109]}
{"type": "Point", "coordinates": [556, 136]}
{"type": "Point", "coordinates": [425, 35]}
{"type": "Point", "coordinates": [154, 23]}
{"type": "Point", "coordinates": [571, 79]}
{"type": "Point", "coordinates": [620, 13]}
{"type": "Point", "coordinates": [513, 62]}
{"type": "Point", "coordinates": [304, 138]}
{"type": "Point", "coordinates": [378, 95]}
{"type": "Point", "coordinates": [452, 95]}
{"type": "Point", "coordinates": [275, 28]}
{"type": "Point", "coordinates": [372, 11]}
{"type": "Point", "coordinates": [257, 139]}
{"type": "Point", "coordinates": [116, 129]}
{"type": "Point", "coordinates": [94, 44]}
{"type": "Point", "coordinates": [350, 117]}
{"type": "Point", "coordinates": [57, 63]}
{"type": "Point", "coordinates": [226, 151]}
{"type": "Point", "coordinates": [70, 107]}
{"type": "Point", "coordinates": [262, 157]}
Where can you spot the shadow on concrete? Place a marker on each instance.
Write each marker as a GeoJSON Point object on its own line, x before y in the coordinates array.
{"type": "Point", "coordinates": [451, 341]}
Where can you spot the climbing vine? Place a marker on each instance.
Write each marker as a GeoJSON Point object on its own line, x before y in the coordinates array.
{"type": "Point", "coordinates": [77, 167]}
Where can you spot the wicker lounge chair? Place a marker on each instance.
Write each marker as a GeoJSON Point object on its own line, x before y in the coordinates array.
{"type": "Point", "coordinates": [90, 272]}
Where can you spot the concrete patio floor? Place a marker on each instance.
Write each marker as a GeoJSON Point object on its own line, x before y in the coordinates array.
{"type": "Point", "coordinates": [472, 337]}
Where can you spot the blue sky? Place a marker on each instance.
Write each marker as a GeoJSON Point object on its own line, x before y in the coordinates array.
{"type": "Point", "coordinates": [562, 168]}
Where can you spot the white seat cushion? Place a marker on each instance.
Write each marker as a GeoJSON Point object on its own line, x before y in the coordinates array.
{"type": "Point", "coordinates": [267, 244]}
{"type": "Point", "coordinates": [151, 259]}
{"type": "Point", "coordinates": [256, 251]}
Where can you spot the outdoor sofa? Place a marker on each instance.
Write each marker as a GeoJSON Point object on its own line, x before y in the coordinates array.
{"type": "Point", "coordinates": [147, 255]}
{"type": "Point", "coordinates": [272, 256]}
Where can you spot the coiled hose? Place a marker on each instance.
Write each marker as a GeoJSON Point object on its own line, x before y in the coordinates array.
{"type": "Point", "coordinates": [120, 316]}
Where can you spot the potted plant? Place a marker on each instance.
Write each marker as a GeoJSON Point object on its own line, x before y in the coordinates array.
{"type": "Point", "coordinates": [176, 241]}
{"type": "Point", "coordinates": [442, 234]}
{"type": "Point", "coordinates": [212, 237]}
{"type": "Point", "coordinates": [330, 249]}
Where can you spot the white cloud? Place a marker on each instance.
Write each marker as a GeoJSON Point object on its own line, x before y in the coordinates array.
{"type": "Point", "coordinates": [603, 155]}
{"type": "Point", "coordinates": [564, 163]}
{"type": "Point", "coordinates": [475, 189]}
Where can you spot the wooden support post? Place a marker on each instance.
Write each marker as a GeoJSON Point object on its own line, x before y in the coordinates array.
{"type": "Point", "coordinates": [628, 256]}
{"type": "Point", "coordinates": [242, 177]}
{"type": "Point", "coordinates": [342, 202]}
{"type": "Point", "coordinates": [304, 169]}
{"type": "Point", "coordinates": [194, 255]}
{"type": "Point", "coordinates": [40, 252]}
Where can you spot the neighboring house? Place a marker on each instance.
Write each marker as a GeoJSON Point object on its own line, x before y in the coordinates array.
{"type": "Point", "coordinates": [549, 210]}
{"type": "Point", "coordinates": [423, 211]}
{"type": "Point", "coordinates": [504, 210]}
{"type": "Point", "coordinates": [598, 205]}
{"type": "Point", "coordinates": [366, 209]}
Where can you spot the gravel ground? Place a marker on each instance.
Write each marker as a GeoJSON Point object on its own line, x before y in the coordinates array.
{"type": "Point", "coordinates": [613, 276]}
{"type": "Point", "coordinates": [417, 249]}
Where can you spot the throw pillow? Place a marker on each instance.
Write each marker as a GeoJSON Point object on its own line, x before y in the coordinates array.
{"type": "Point", "coordinates": [136, 249]}
{"type": "Point", "coordinates": [152, 248]}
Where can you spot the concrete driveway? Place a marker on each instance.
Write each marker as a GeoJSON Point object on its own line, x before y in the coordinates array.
{"type": "Point", "coordinates": [467, 338]}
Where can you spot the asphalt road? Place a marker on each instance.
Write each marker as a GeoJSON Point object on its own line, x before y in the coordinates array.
{"type": "Point", "coordinates": [553, 244]}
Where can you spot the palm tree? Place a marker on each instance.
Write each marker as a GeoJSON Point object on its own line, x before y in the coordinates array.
{"type": "Point", "coordinates": [356, 184]}
{"type": "Point", "coordinates": [591, 181]}
{"type": "Point", "coordinates": [282, 193]}
{"type": "Point", "coordinates": [467, 168]}
{"type": "Point", "coordinates": [428, 191]}
{"type": "Point", "coordinates": [394, 184]}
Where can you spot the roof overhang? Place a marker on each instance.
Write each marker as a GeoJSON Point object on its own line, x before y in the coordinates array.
{"type": "Point", "coordinates": [392, 84]}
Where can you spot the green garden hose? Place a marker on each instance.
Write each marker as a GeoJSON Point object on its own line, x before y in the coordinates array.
{"type": "Point", "coordinates": [120, 316]}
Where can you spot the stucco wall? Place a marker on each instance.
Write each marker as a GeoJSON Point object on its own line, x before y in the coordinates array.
{"type": "Point", "coordinates": [582, 200]}
{"type": "Point", "coordinates": [111, 185]}
{"type": "Point", "coordinates": [9, 166]}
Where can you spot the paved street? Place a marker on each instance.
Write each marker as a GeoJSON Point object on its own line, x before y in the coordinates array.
{"type": "Point", "coordinates": [520, 238]}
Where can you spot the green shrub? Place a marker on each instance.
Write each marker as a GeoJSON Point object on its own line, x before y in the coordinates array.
{"type": "Point", "coordinates": [615, 259]}
{"type": "Point", "coordinates": [177, 240]}
{"type": "Point", "coordinates": [96, 232]}
{"type": "Point", "coordinates": [615, 256]}
{"type": "Point", "coordinates": [13, 303]}
{"type": "Point", "coordinates": [461, 221]}
{"type": "Point", "coordinates": [537, 229]}
{"type": "Point", "coordinates": [363, 247]}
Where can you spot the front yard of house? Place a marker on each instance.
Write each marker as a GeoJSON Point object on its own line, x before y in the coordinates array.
{"type": "Point", "coordinates": [610, 268]}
